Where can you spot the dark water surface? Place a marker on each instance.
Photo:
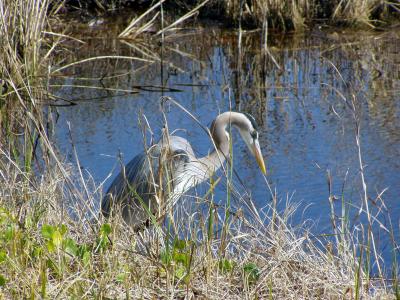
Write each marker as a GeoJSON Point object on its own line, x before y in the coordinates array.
{"type": "Point", "coordinates": [295, 93]}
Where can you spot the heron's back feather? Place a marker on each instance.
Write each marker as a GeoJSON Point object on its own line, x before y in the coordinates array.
{"type": "Point", "coordinates": [144, 182]}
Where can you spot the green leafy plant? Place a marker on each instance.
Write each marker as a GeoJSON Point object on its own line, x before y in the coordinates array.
{"type": "Point", "coordinates": [2, 280]}
{"type": "Point", "coordinates": [56, 240]}
{"type": "Point", "coordinates": [226, 265]}
{"type": "Point", "coordinates": [103, 240]}
{"type": "Point", "coordinates": [54, 236]}
{"type": "Point", "coordinates": [178, 259]}
{"type": "Point", "coordinates": [251, 273]}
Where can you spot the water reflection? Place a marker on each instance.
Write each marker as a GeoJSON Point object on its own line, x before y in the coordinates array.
{"type": "Point", "coordinates": [295, 92]}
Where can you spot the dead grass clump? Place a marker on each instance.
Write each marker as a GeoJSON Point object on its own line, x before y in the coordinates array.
{"type": "Point", "coordinates": [288, 15]}
{"type": "Point", "coordinates": [362, 13]}
{"type": "Point", "coordinates": [26, 47]}
{"type": "Point", "coordinates": [151, 18]}
{"type": "Point", "coordinates": [284, 15]}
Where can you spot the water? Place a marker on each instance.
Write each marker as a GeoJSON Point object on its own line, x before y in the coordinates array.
{"type": "Point", "coordinates": [295, 93]}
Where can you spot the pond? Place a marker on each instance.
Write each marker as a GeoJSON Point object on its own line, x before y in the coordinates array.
{"type": "Point", "coordinates": [300, 91]}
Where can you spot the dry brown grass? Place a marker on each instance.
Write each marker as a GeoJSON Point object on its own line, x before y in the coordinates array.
{"type": "Point", "coordinates": [298, 14]}
{"type": "Point", "coordinates": [277, 14]}
{"type": "Point", "coordinates": [27, 43]}
{"type": "Point", "coordinates": [55, 245]}
{"type": "Point", "coordinates": [358, 13]}
{"type": "Point", "coordinates": [258, 258]}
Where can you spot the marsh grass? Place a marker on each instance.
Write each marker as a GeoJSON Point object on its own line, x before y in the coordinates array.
{"type": "Point", "coordinates": [294, 14]}
{"type": "Point", "coordinates": [289, 15]}
{"type": "Point", "coordinates": [151, 18]}
{"type": "Point", "coordinates": [363, 13]}
{"type": "Point", "coordinates": [56, 246]}
{"type": "Point", "coordinates": [46, 253]}
{"type": "Point", "coordinates": [27, 44]}
{"type": "Point", "coordinates": [285, 15]}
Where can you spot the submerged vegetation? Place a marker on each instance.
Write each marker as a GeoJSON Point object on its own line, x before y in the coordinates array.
{"type": "Point", "coordinates": [53, 244]}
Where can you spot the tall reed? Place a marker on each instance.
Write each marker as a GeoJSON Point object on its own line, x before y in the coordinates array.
{"type": "Point", "coordinates": [25, 64]}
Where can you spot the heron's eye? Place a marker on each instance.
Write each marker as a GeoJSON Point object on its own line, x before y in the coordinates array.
{"type": "Point", "coordinates": [254, 135]}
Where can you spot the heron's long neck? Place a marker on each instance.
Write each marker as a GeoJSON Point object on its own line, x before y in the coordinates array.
{"type": "Point", "coordinates": [216, 158]}
{"type": "Point", "coordinates": [213, 161]}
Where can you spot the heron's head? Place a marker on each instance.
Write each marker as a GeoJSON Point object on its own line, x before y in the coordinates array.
{"type": "Point", "coordinates": [248, 131]}
{"type": "Point", "coordinates": [247, 126]}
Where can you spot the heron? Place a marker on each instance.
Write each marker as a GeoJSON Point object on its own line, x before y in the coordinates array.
{"type": "Point", "coordinates": [154, 180]}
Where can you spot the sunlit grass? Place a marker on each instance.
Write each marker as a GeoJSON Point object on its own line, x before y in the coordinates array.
{"type": "Point", "coordinates": [53, 245]}
{"type": "Point", "coordinates": [288, 15]}
{"type": "Point", "coordinates": [25, 64]}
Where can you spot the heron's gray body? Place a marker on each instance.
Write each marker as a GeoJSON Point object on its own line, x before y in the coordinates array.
{"type": "Point", "coordinates": [141, 186]}
{"type": "Point", "coordinates": [152, 182]}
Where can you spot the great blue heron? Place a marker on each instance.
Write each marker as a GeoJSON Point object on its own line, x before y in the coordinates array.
{"type": "Point", "coordinates": [153, 181]}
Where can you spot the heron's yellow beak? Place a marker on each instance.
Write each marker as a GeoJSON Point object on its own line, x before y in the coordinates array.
{"type": "Point", "coordinates": [259, 157]}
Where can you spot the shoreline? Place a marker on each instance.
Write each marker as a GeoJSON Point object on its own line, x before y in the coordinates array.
{"type": "Point", "coordinates": [276, 15]}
